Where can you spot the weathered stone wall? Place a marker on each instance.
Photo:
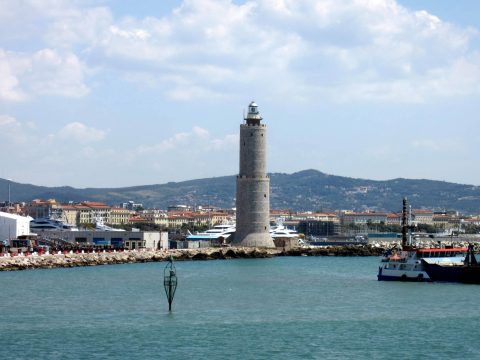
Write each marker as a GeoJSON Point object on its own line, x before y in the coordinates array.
{"type": "Point", "coordinates": [93, 259]}
{"type": "Point", "coordinates": [253, 189]}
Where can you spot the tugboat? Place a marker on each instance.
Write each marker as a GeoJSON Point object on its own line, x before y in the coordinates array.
{"type": "Point", "coordinates": [467, 272]}
{"type": "Point", "coordinates": [409, 263]}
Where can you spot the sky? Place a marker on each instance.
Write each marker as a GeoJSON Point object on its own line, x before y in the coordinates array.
{"type": "Point", "coordinates": [122, 93]}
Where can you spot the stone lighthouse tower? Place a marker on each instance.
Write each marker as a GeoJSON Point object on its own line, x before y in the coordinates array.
{"type": "Point", "coordinates": [253, 184]}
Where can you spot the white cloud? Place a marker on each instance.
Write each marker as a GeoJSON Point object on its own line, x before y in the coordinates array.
{"type": "Point", "coordinates": [44, 72]}
{"type": "Point", "coordinates": [194, 152]}
{"type": "Point", "coordinates": [198, 138]}
{"type": "Point", "coordinates": [12, 132]}
{"type": "Point", "coordinates": [177, 140]}
{"type": "Point", "coordinates": [229, 141]}
{"type": "Point", "coordinates": [6, 120]}
{"type": "Point", "coordinates": [358, 50]}
{"type": "Point", "coordinates": [135, 34]}
{"type": "Point", "coordinates": [63, 150]}
{"type": "Point", "coordinates": [57, 74]}
{"type": "Point", "coordinates": [437, 145]}
{"type": "Point", "coordinates": [200, 132]}
{"type": "Point", "coordinates": [302, 49]}
{"type": "Point", "coordinates": [9, 84]}
{"type": "Point", "coordinates": [81, 133]}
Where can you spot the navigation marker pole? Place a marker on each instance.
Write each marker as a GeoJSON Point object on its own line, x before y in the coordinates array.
{"type": "Point", "coordinates": [170, 281]}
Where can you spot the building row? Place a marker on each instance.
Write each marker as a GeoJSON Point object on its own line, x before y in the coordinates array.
{"type": "Point", "coordinates": [89, 212]}
{"type": "Point", "coordinates": [179, 216]}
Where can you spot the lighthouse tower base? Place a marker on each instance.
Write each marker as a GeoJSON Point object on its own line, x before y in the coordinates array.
{"type": "Point", "coordinates": [260, 240]}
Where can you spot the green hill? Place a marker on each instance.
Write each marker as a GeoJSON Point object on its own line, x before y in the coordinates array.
{"type": "Point", "coordinates": [304, 190]}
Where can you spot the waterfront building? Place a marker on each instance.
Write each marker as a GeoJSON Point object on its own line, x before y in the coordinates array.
{"type": "Point", "coordinates": [155, 216]}
{"type": "Point", "coordinates": [87, 212]}
{"type": "Point", "coordinates": [363, 218]}
{"type": "Point", "coordinates": [319, 228]}
{"type": "Point", "coordinates": [394, 219]}
{"type": "Point", "coordinates": [309, 215]}
{"type": "Point", "coordinates": [39, 208]}
{"type": "Point", "coordinates": [423, 216]}
{"type": "Point", "coordinates": [119, 216]}
{"type": "Point", "coordinates": [446, 221]}
{"type": "Point", "coordinates": [136, 219]}
{"type": "Point", "coordinates": [131, 205]}
{"type": "Point", "coordinates": [196, 219]}
{"type": "Point", "coordinates": [84, 215]}
{"type": "Point", "coordinates": [71, 214]}
{"type": "Point", "coordinates": [178, 219]}
{"type": "Point", "coordinates": [13, 208]}
{"type": "Point", "coordinates": [178, 208]}
{"type": "Point", "coordinates": [149, 240]}
{"type": "Point", "coordinates": [253, 184]}
{"type": "Point", "coordinates": [99, 212]}
{"type": "Point", "coordinates": [12, 226]}
{"type": "Point", "coordinates": [472, 221]}
{"type": "Point", "coordinates": [281, 214]}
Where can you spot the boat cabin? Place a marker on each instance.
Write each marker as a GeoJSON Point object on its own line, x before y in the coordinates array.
{"type": "Point", "coordinates": [441, 253]}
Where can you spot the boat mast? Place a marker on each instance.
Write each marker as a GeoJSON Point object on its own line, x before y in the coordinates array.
{"type": "Point", "coordinates": [404, 224]}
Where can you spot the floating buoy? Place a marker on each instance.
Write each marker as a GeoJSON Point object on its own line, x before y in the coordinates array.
{"type": "Point", "coordinates": [170, 281]}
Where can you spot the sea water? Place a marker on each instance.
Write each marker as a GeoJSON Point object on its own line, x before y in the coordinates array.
{"type": "Point", "coordinates": [279, 308]}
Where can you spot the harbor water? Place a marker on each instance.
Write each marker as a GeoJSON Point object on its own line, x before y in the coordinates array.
{"type": "Point", "coordinates": [279, 308]}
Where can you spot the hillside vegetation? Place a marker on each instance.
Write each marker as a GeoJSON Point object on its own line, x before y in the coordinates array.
{"type": "Point", "coordinates": [304, 190]}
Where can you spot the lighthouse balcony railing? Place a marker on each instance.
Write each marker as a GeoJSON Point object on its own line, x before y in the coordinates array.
{"type": "Point", "coordinates": [253, 177]}
{"type": "Point", "coordinates": [255, 125]}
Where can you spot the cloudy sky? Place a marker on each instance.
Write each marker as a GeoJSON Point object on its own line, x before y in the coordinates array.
{"type": "Point", "coordinates": [117, 93]}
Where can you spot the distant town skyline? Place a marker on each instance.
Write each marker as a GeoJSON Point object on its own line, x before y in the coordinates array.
{"type": "Point", "coordinates": [118, 93]}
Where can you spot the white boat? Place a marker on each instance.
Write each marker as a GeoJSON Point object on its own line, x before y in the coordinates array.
{"type": "Point", "coordinates": [100, 226]}
{"type": "Point", "coordinates": [226, 230]}
{"type": "Point", "coordinates": [406, 264]}
{"type": "Point", "coordinates": [280, 231]}
{"type": "Point", "coordinates": [46, 224]}
{"type": "Point", "coordinates": [218, 231]}
{"type": "Point", "coordinates": [409, 265]}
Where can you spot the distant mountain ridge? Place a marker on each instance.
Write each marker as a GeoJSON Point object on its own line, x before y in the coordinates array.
{"type": "Point", "coordinates": [303, 190]}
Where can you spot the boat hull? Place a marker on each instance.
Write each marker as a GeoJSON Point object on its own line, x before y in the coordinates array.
{"type": "Point", "coordinates": [401, 278]}
{"type": "Point", "coordinates": [396, 274]}
{"type": "Point", "coordinates": [462, 274]}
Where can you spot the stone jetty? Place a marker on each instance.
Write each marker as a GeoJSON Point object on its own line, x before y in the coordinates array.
{"type": "Point", "coordinates": [62, 260]}
{"type": "Point", "coordinates": [125, 257]}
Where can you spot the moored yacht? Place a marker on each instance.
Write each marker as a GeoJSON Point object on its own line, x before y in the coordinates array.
{"type": "Point", "coordinates": [45, 224]}
{"type": "Point", "coordinates": [281, 231]}
{"type": "Point", "coordinates": [101, 226]}
{"type": "Point", "coordinates": [218, 231]}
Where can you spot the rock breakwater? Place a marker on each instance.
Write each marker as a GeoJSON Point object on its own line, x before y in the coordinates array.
{"type": "Point", "coordinates": [108, 258]}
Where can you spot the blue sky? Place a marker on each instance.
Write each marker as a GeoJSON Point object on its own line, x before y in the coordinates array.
{"type": "Point", "coordinates": [118, 93]}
